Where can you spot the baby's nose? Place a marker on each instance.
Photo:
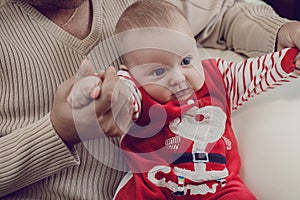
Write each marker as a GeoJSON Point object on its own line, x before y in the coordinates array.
{"type": "Point", "coordinates": [177, 77]}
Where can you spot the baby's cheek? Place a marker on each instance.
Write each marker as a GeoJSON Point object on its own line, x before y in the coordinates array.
{"type": "Point", "coordinates": [158, 92]}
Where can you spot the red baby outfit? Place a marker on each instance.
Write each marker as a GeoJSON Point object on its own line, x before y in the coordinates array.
{"type": "Point", "coordinates": [187, 149]}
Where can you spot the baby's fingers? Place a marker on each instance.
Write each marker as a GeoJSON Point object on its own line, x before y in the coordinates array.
{"type": "Point", "coordinates": [84, 91]}
{"type": "Point", "coordinates": [96, 92]}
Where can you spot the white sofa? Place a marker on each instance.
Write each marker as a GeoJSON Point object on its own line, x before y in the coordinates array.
{"type": "Point", "coordinates": [268, 132]}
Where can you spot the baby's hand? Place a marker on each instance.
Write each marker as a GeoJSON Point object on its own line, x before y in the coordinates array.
{"type": "Point", "coordinates": [297, 63]}
{"type": "Point", "coordinates": [84, 91]}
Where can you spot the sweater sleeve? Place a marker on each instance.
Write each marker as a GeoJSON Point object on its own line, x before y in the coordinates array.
{"type": "Point", "coordinates": [246, 79]}
{"type": "Point", "coordinates": [32, 153]}
{"type": "Point", "coordinates": [246, 28]}
{"type": "Point", "coordinates": [251, 29]}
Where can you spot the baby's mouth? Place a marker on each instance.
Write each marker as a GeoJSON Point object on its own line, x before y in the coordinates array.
{"type": "Point", "coordinates": [183, 94]}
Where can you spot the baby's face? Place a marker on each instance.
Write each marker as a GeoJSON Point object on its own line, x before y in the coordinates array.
{"type": "Point", "coordinates": [166, 76]}
{"type": "Point", "coordinates": [165, 62]}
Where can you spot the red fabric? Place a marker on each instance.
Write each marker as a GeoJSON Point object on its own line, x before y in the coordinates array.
{"type": "Point", "coordinates": [151, 143]}
{"type": "Point", "coordinates": [288, 62]}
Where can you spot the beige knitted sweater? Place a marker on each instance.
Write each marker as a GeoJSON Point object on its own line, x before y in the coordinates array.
{"type": "Point", "coordinates": [36, 56]}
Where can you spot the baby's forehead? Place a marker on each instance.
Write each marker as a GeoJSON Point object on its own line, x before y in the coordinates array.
{"type": "Point", "coordinates": [153, 38]}
{"type": "Point", "coordinates": [161, 54]}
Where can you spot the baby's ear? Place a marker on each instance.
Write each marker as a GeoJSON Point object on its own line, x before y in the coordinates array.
{"type": "Point", "coordinates": [123, 67]}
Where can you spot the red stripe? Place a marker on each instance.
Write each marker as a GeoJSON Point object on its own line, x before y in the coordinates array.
{"type": "Point", "coordinates": [254, 89]}
{"type": "Point", "coordinates": [244, 77]}
{"type": "Point", "coordinates": [251, 71]}
{"type": "Point", "coordinates": [266, 80]}
{"type": "Point", "coordinates": [273, 78]}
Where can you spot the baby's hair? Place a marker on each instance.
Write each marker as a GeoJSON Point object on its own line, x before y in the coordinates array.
{"type": "Point", "coordinates": [147, 13]}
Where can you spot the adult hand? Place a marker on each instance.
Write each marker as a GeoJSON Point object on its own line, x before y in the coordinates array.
{"type": "Point", "coordinates": [288, 36]}
{"type": "Point", "coordinates": [61, 115]}
{"type": "Point", "coordinates": [108, 115]}
{"type": "Point", "coordinates": [114, 107]}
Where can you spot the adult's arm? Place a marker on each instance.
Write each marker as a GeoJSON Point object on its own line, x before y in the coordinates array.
{"type": "Point", "coordinates": [32, 153]}
{"type": "Point", "coordinates": [46, 146]}
{"type": "Point", "coordinates": [246, 28]}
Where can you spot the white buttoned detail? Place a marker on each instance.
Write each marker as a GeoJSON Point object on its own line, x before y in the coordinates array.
{"type": "Point", "coordinates": [190, 101]}
{"type": "Point", "coordinates": [199, 118]}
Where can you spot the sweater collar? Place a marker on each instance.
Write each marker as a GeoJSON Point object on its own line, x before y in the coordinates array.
{"type": "Point", "coordinates": [85, 45]}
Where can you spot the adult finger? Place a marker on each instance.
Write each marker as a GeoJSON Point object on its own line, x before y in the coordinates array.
{"type": "Point", "coordinates": [124, 117]}
{"type": "Point", "coordinates": [84, 91]}
{"type": "Point", "coordinates": [109, 81]}
{"type": "Point", "coordinates": [295, 35]}
{"type": "Point", "coordinates": [108, 125]}
{"type": "Point", "coordinates": [65, 88]}
{"type": "Point", "coordinates": [86, 68]}
{"type": "Point", "coordinates": [289, 36]}
{"type": "Point", "coordinates": [61, 113]}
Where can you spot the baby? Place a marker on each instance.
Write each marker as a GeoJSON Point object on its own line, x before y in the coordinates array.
{"type": "Point", "coordinates": [181, 144]}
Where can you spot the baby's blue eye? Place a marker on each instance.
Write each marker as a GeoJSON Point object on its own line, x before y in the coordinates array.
{"type": "Point", "coordinates": [186, 61]}
{"type": "Point", "coordinates": [158, 72]}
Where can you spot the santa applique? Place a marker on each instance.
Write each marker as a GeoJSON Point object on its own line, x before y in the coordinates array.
{"type": "Point", "coordinates": [203, 126]}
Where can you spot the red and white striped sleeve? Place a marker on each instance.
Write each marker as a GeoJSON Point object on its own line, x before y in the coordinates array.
{"type": "Point", "coordinates": [135, 93]}
{"type": "Point", "coordinates": [248, 78]}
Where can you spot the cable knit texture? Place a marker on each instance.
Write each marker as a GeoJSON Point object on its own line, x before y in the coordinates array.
{"type": "Point", "coordinates": [36, 56]}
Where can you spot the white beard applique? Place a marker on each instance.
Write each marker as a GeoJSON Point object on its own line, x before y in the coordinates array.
{"type": "Point", "coordinates": [203, 126]}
